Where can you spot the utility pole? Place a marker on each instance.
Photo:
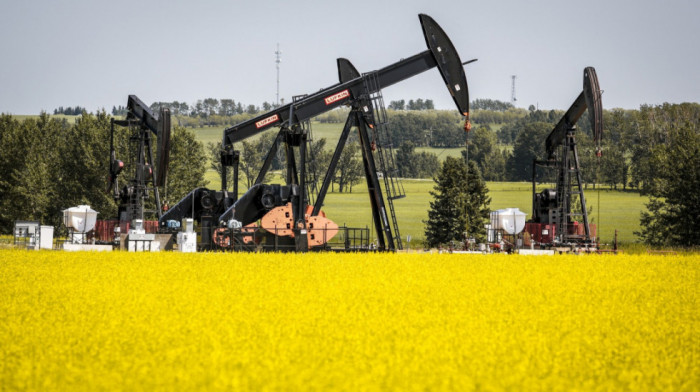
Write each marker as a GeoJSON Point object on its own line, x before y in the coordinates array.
{"type": "Point", "coordinates": [278, 60]}
{"type": "Point", "coordinates": [512, 90]}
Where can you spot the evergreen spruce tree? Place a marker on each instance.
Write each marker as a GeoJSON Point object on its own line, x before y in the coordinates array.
{"type": "Point", "coordinates": [188, 164]}
{"type": "Point", "coordinates": [460, 204]}
{"type": "Point", "coordinates": [477, 205]}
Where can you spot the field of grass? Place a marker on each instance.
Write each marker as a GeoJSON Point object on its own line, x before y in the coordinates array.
{"type": "Point", "coordinates": [319, 130]}
{"type": "Point", "coordinates": [219, 321]}
{"type": "Point", "coordinates": [329, 131]}
{"type": "Point", "coordinates": [70, 119]}
{"type": "Point", "coordinates": [442, 153]}
{"type": "Point", "coordinates": [618, 210]}
{"type": "Point", "coordinates": [209, 134]}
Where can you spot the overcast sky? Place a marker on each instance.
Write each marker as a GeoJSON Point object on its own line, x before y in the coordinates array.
{"type": "Point", "coordinates": [95, 53]}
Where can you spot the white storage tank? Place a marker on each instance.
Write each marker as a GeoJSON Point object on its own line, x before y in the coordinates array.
{"type": "Point", "coordinates": [510, 220]}
{"type": "Point", "coordinates": [79, 220]}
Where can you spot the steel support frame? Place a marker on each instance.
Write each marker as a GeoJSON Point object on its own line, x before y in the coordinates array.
{"type": "Point", "coordinates": [144, 156]}
{"type": "Point", "coordinates": [381, 221]}
{"type": "Point", "coordinates": [570, 164]}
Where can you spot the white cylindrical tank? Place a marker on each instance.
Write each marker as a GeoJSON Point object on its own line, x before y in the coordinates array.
{"type": "Point", "coordinates": [510, 220]}
{"type": "Point", "coordinates": [81, 218]}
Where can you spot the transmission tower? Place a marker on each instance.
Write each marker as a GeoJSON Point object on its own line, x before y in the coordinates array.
{"type": "Point", "coordinates": [278, 60]}
{"type": "Point", "coordinates": [512, 90]}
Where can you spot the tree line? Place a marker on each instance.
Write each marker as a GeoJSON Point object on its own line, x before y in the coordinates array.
{"type": "Point", "coordinates": [491, 104]}
{"type": "Point", "coordinates": [48, 165]}
{"type": "Point", "coordinates": [418, 104]}
{"type": "Point", "coordinates": [204, 112]}
{"type": "Point", "coordinates": [503, 143]}
{"type": "Point", "coordinates": [210, 107]}
{"type": "Point", "coordinates": [69, 111]}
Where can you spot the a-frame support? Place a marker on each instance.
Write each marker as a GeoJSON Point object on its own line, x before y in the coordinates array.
{"type": "Point", "coordinates": [131, 205]}
{"type": "Point", "coordinates": [356, 118]}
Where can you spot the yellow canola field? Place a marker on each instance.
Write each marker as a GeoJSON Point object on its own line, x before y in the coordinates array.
{"type": "Point", "coordinates": [358, 322]}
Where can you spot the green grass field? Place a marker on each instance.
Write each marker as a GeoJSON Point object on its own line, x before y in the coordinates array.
{"type": "Point", "coordinates": [329, 131]}
{"type": "Point", "coordinates": [618, 210]}
{"type": "Point", "coordinates": [209, 134]}
{"type": "Point", "coordinates": [70, 119]}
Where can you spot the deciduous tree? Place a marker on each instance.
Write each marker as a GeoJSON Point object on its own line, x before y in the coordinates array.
{"type": "Point", "coordinates": [188, 164]}
{"type": "Point", "coordinates": [529, 145]}
{"type": "Point", "coordinates": [673, 215]}
{"type": "Point", "coordinates": [349, 169]}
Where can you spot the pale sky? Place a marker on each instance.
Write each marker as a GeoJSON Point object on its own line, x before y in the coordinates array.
{"type": "Point", "coordinates": [94, 53]}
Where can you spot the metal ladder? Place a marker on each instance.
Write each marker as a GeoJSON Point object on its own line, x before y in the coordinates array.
{"type": "Point", "coordinates": [393, 187]}
{"type": "Point", "coordinates": [311, 180]}
{"type": "Point", "coordinates": [570, 187]}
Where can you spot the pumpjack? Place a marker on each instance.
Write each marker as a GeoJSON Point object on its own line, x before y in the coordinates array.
{"type": "Point", "coordinates": [556, 212]}
{"type": "Point", "coordinates": [287, 212]}
{"type": "Point", "coordinates": [148, 174]}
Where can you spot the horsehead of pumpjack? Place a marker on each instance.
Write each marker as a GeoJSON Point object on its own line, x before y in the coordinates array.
{"type": "Point", "coordinates": [589, 98]}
